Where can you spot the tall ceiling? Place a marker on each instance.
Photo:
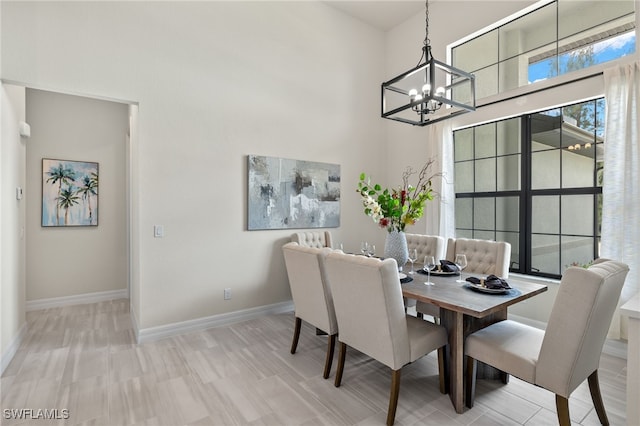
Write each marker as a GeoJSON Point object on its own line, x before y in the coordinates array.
{"type": "Point", "coordinates": [382, 14]}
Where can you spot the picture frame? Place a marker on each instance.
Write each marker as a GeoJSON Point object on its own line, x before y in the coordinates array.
{"type": "Point", "coordinates": [69, 193]}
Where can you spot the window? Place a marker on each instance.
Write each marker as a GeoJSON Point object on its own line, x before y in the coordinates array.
{"type": "Point", "coordinates": [554, 39]}
{"type": "Point", "coordinates": [534, 181]}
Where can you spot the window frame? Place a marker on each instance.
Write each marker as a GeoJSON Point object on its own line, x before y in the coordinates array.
{"type": "Point", "coordinates": [526, 193]}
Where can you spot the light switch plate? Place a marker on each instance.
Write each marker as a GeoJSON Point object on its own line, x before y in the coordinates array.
{"type": "Point", "coordinates": [18, 193]}
{"type": "Point", "coordinates": [158, 231]}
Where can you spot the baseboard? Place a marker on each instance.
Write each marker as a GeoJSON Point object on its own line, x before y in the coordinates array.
{"type": "Point", "coordinates": [159, 332]}
{"type": "Point", "coordinates": [8, 355]}
{"type": "Point", "coordinates": [76, 299]}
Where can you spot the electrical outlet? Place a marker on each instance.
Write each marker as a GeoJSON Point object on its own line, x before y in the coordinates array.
{"type": "Point", "coordinates": [227, 294]}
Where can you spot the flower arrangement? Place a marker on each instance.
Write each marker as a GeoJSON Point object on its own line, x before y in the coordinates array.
{"type": "Point", "coordinates": [396, 208]}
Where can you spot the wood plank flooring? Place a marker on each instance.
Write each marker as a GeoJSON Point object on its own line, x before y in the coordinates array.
{"type": "Point", "coordinates": [84, 359]}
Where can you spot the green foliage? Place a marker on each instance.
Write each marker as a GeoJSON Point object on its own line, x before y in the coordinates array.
{"type": "Point", "coordinates": [396, 208]}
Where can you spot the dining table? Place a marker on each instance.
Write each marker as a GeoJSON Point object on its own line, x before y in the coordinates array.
{"type": "Point", "coordinates": [465, 308]}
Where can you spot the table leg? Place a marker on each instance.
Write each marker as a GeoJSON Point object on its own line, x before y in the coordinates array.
{"type": "Point", "coordinates": [453, 322]}
{"type": "Point", "coordinates": [459, 326]}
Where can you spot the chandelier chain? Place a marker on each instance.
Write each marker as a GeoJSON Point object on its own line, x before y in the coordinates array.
{"type": "Point", "coordinates": [426, 42]}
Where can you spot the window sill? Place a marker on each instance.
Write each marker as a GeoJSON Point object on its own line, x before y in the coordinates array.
{"type": "Point", "coordinates": [534, 279]}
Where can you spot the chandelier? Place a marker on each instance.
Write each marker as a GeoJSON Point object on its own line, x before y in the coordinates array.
{"type": "Point", "coordinates": [417, 96]}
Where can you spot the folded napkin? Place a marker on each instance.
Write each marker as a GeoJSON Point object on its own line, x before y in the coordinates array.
{"type": "Point", "coordinates": [491, 282]}
{"type": "Point", "coordinates": [447, 266]}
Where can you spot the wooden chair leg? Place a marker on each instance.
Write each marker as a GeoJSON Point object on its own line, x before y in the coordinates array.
{"type": "Point", "coordinates": [393, 397]}
{"type": "Point", "coordinates": [596, 397]}
{"type": "Point", "coordinates": [472, 365]}
{"type": "Point", "coordinates": [341, 357]}
{"type": "Point", "coordinates": [562, 409]}
{"type": "Point", "coordinates": [331, 342]}
{"type": "Point", "coordinates": [296, 335]}
{"type": "Point", "coordinates": [442, 370]}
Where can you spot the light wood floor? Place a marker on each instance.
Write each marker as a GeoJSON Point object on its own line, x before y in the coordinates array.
{"type": "Point", "coordinates": [83, 358]}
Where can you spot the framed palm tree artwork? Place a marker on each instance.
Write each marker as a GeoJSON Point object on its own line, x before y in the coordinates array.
{"type": "Point", "coordinates": [69, 193]}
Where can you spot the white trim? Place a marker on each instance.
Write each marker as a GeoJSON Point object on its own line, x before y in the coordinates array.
{"type": "Point", "coordinates": [167, 330]}
{"type": "Point", "coordinates": [500, 23]}
{"type": "Point", "coordinates": [76, 299]}
{"type": "Point", "coordinates": [134, 324]}
{"type": "Point", "coordinates": [8, 355]}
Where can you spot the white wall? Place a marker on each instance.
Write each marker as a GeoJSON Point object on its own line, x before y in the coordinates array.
{"type": "Point", "coordinates": [215, 81]}
{"type": "Point", "coordinates": [67, 261]}
{"type": "Point", "coordinates": [12, 222]}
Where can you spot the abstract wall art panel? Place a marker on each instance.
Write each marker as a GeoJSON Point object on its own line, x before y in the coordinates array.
{"type": "Point", "coordinates": [69, 193]}
{"type": "Point", "coordinates": [285, 193]}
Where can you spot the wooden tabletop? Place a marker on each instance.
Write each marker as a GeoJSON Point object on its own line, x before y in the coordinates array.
{"type": "Point", "coordinates": [458, 297]}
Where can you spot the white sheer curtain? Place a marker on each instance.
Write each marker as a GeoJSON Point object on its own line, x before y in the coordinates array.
{"type": "Point", "coordinates": [621, 186]}
{"type": "Point", "coordinates": [440, 214]}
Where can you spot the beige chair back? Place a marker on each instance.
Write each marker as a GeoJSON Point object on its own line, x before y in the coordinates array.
{"type": "Point", "coordinates": [483, 256]}
{"type": "Point", "coordinates": [309, 290]}
{"type": "Point", "coordinates": [317, 239]}
{"type": "Point", "coordinates": [578, 325]}
{"type": "Point", "coordinates": [427, 245]}
{"type": "Point", "coordinates": [368, 302]}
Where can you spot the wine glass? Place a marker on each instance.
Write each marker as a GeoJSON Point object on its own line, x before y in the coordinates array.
{"type": "Point", "coordinates": [413, 256]}
{"type": "Point", "coordinates": [364, 248]}
{"type": "Point", "coordinates": [429, 263]}
{"type": "Point", "coordinates": [461, 261]}
{"type": "Point", "coordinates": [371, 250]}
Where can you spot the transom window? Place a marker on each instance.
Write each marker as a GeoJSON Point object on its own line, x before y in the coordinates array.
{"type": "Point", "coordinates": [554, 39]}
{"type": "Point", "coordinates": [534, 181]}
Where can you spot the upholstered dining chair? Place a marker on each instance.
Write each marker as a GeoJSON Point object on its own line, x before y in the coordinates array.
{"type": "Point", "coordinates": [316, 239]}
{"type": "Point", "coordinates": [568, 352]}
{"type": "Point", "coordinates": [311, 294]}
{"type": "Point", "coordinates": [484, 257]}
{"type": "Point", "coordinates": [426, 245]}
{"type": "Point", "coordinates": [379, 327]}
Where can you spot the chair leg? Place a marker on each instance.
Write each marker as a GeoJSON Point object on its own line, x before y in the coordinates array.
{"type": "Point", "coordinates": [393, 397]}
{"type": "Point", "coordinates": [327, 363]}
{"type": "Point", "coordinates": [442, 370]}
{"type": "Point", "coordinates": [472, 365]}
{"type": "Point", "coordinates": [596, 397]}
{"type": "Point", "coordinates": [341, 357]}
{"type": "Point", "coordinates": [420, 315]}
{"type": "Point", "coordinates": [562, 408]}
{"type": "Point", "coordinates": [296, 335]}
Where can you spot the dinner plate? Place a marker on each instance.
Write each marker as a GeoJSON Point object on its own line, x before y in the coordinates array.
{"type": "Point", "coordinates": [439, 273]}
{"type": "Point", "coordinates": [483, 289]}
